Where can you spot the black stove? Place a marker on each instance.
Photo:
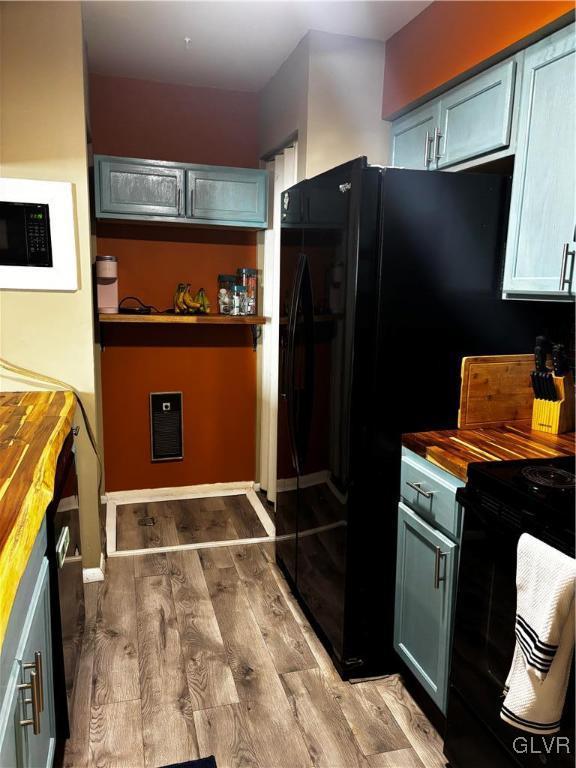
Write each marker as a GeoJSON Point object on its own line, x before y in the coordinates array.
{"type": "Point", "coordinates": [502, 500]}
{"type": "Point", "coordinates": [535, 495]}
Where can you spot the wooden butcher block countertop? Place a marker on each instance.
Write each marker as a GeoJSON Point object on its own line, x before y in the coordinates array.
{"type": "Point", "coordinates": [33, 428]}
{"type": "Point", "coordinates": [454, 449]}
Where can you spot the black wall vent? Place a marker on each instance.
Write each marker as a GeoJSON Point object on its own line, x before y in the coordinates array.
{"type": "Point", "coordinates": [166, 425]}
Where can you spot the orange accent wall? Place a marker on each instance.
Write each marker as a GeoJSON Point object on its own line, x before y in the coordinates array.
{"type": "Point", "coordinates": [449, 38]}
{"type": "Point", "coordinates": [214, 367]}
{"type": "Point", "coordinates": [163, 121]}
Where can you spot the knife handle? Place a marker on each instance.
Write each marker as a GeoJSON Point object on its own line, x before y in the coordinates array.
{"type": "Point", "coordinates": [559, 359]}
{"type": "Point", "coordinates": [535, 387]}
{"type": "Point", "coordinates": [552, 394]}
{"type": "Point", "coordinates": [540, 358]}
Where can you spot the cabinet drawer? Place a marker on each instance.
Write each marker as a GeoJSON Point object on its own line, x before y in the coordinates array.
{"type": "Point", "coordinates": [431, 493]}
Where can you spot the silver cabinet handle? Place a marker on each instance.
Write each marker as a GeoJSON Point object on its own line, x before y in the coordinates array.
{"type": "Point", "coordinates": [438, 555]}
{"type": "Point", "coordinates": [178, 199]}
{"type": "Point", "coordinates": [36, 667]}
{"type": "Point", "coordinates": [418, 488]}
{"type": "Point", "coordinates": [437, 137]}
{"type": "Point", "coordinates": [34, 687]}
{"type": "Point", "coordinates": [427, 145]}
{"type": "Point", "coordinates": [566, 281]}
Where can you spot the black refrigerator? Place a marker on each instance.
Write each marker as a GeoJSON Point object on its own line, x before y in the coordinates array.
{"type": "Point", "coordinates": [388, 278]}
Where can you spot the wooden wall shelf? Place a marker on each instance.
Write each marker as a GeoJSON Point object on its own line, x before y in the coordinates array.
{"type": "Point", "coordinates": [184, 319]}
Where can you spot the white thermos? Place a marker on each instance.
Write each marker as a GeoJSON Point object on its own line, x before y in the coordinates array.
{"type": "Point", "coordinates": [107, 284]}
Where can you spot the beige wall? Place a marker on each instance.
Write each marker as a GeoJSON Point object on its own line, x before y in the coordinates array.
{"type": "Point", "coordinates": [344, 95]}
{"type": "Point", "coordinates": [329, 91]}
{"type": "Point", "coordinates": [42, 136]}
{"type": "Point", "coordinates": [284, 105]}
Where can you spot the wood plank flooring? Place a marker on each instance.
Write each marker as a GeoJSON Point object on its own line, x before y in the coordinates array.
{"type": "Point", "coordinates": [200, 652]}
{"type": "Point", "coordinates": [187, 521]}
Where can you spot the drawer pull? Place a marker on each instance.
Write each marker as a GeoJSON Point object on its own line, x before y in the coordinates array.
{"type": "Point", "coordinates": [417, 487]}
{"type": "Point", "coordinates": [438, 555]}
{"type": "Point", "coordinates": [34, 687]}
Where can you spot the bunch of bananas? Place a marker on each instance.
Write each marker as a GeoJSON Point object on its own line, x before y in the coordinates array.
{"type": "Point", "coordinates": [186, 304]}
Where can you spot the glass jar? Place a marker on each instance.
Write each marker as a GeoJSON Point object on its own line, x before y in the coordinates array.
{"type": "Point", "coordinates": [238, 300]}
{"type": "Point", "coordinates": [248, 277]}
{"type": "Point", "coordinates": [225, 285]}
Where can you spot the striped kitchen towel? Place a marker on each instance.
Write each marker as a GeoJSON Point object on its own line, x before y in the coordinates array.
{"type": "Point", "coordinates": [536, 685]}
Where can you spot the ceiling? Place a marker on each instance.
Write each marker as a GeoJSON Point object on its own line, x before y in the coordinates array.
{"type": "Point", "coordinates": [233, 45]}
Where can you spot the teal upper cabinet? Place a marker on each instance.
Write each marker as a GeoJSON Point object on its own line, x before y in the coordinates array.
{"type": "Point", "coordinates": [137, 188]}
{"type": "Point", "coordinates": [539, 254]}
{"type": "Point", "coordinates": [425, 590]}
{"type": "Point", "coordinates": [149, 190]}
{"type": "Point", "coordinates": [233, 196]}
{"type": "Point", "coordinates": [414, 137]}
{"type": "Point", "coordinates": [470, 121]}
{"type": "Point", "coordinates": [476, 117]}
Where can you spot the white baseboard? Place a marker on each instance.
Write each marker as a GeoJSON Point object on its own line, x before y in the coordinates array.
{"type": "Point", "coordinates": [262, 513]}
{"type": "Point", "coordinates": [151, 495]}
{"type": "Point", "coordinates": [187, 547]}
{"type": "Point", "coordinates": [180, 492]}
{"type": "Point", "coordinates": [94, 574]}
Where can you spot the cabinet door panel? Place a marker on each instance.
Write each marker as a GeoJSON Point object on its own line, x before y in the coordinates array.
{"type": "Point", "coordinates": [425, 587]}
{"type": "Point", "coordinates": [36, 637]}
{"type": "Point", "coordinates": [413, 136]}
{"type": "Point", "coordinates": [227, 195]}
{"type": "Point", "coordinates": [542, 208]}
{"type": "Point", "coordinates": [138, 188]}
{"type": "Point", "coordinates": [12, 737]}
{"type": "Point", "coordinates": [476, 117]}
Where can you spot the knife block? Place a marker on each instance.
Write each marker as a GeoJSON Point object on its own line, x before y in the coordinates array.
{"type": "Point", "coordinates": [556, 417]}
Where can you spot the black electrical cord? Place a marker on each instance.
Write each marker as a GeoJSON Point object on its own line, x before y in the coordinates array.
{"type": "Point", "coordinates": [144, 308]}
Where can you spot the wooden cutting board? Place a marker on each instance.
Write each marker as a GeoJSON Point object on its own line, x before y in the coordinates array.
{"type": "Point", "coordinates": [495, 389]}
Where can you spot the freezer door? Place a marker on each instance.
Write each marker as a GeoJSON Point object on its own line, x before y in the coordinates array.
{"type": "Point", "coordinates": [287, 479]}
{"type": "Point", "coordinates": [322, 385]}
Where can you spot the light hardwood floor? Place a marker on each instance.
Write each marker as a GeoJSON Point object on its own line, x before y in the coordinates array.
{"type": "Point", "coordinates": [192, 653]}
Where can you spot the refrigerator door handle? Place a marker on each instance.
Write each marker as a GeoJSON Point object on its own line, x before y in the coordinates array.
{"type": "Point", "coordinates": [305, 411]}
{"type": "Point", "coordinates": [289, 387]}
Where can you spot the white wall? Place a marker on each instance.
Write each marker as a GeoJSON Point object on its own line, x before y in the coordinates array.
{"type": "Point", "coordinates": [329, 91]}
{"type": "Point", "coordinates": [284, 105]}
{"type": "Point", "coordinates": [42, 136]}
{"type": "Point", "coordinates": [345, 81]}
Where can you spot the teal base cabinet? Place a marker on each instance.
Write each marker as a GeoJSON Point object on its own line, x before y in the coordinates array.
{"type": "Point", "coordinates": [425, 591]}
{"type": "Point", "coordinates": [180, 193]}
{"type": "Point", "coordinates": [27, 717]}
{"type": "Point", "coordinates": [429, 529]}
{"type": "Point", "coordinates": [541, 232]}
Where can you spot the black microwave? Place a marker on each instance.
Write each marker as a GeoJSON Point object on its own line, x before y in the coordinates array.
{"type": "Point", "coordinates": [25, 235]}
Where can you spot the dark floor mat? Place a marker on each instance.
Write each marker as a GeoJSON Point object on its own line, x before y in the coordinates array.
{"type": "Point", "coordinates": [204, 762]}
